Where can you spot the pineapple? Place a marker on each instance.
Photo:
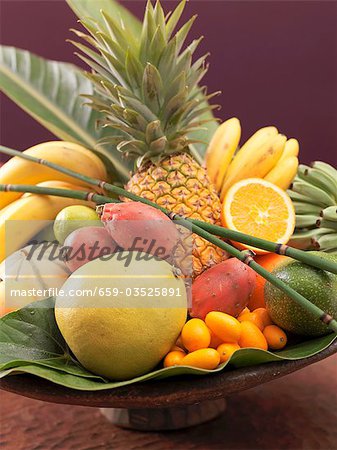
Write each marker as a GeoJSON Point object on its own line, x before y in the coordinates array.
{"type": "Point", "coordinates": [148, 91]}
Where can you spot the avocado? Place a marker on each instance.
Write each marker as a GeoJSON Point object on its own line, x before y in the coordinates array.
{"type": "Point", "coordinates": [317, 286]}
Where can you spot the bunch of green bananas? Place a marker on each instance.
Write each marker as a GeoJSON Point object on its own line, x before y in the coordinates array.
{"type": "Point", "coordinates": [314, 194]}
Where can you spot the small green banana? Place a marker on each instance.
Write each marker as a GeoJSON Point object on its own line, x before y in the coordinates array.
{"type": "Point", "coordinates": [323, 223]}
{"type": "Point", "coordinates": [306, 220]}
{"type": "Point", "coordinates": [304, 240]}
{"type": "Point", "coordinates": [326, 168]}
{"type": "Point", "coordinates": [319, 179]}
{"type": "Point", "coordinates": [296, 197]}
{"type": "Point", "coordinates": [327, 241]}
{"type": "Point", "coordinates": [317, 195]}
{"type": "Point", "coordinates": [301, 171]}
{"type": "Point", "coordinates": [307, 208]}
{"type": "Point", "coordinates": [329, 213]}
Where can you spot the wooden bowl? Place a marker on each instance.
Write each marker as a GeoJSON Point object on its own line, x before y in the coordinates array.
{"type": "Point", "coordinates": [165, 404]}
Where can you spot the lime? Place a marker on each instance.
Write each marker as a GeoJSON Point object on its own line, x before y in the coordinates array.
{"type": "Point", "coordinates": [73, 217]}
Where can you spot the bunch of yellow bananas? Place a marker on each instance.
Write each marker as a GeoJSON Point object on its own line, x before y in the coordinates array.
{"type": "Point", "coordinates": [39, 208]}
{"type": "Point", "coordinates": [267, 154]}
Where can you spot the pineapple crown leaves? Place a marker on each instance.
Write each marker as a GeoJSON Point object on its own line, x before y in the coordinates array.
{"type": "Point", "coordinates": [147, 89]}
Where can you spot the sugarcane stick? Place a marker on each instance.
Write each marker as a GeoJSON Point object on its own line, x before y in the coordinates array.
{"type": "Point", "coordinates": [58, 192]}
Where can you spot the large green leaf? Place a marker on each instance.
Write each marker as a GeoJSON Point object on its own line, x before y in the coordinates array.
{"type": "Point", "coordinates": [89, 8]}
{"type": "Point", "coordinates": [30, 342]}
{"type": "Point", "coordinates": [50, 92]}
{"type": "Point", "coordinates": [32, 335]}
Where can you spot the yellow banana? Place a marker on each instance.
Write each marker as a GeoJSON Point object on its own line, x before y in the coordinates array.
{"type": "Point", "coordinates": [96, 161]}
{"type": "Point", "coordinates": [284, 172]}
{"type": "Point", "coordinates": [291, 148]}
{"type": "Point", "coordinates": [257, 139]}
{"type": "Point", "coordinates": [66, 154]}
{"type": "Point", "coordinates": [254, 161]}
{"type": "Point", "coordinates": [249, 147]}
{"type": "Point", "coordinates": [221, 150]}
{"type": "Point", "coordinates": [37, 209]}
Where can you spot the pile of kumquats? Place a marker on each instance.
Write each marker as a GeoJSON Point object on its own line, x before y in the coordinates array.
{"type": "Point", "coordinates": [207, 343]}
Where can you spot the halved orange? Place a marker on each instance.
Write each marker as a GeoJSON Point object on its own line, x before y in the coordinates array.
{"type": "Point", "coordinates": [259, 208]}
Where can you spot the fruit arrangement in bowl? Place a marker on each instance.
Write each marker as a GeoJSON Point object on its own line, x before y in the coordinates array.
{"type": "Point", "coordinates": [214, 255]}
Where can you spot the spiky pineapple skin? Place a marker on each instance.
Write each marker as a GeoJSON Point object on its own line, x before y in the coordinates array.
{"type": "Point", "coordinates": [180, 184]}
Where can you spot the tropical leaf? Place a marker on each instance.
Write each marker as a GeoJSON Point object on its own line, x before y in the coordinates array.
{"type": "Point", "coordinates": [50, 92]}
{"type": "Point", "coordinates": [31, 334]}
{"type": "Point", "coordinates": [31, 343]}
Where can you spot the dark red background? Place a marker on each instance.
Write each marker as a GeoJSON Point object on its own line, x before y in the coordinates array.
{"type": "Point", "coordinates": [275, 62]}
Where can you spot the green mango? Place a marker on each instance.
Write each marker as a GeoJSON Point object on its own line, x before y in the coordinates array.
{"type": "Point", "coordinates": [318, 286]}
